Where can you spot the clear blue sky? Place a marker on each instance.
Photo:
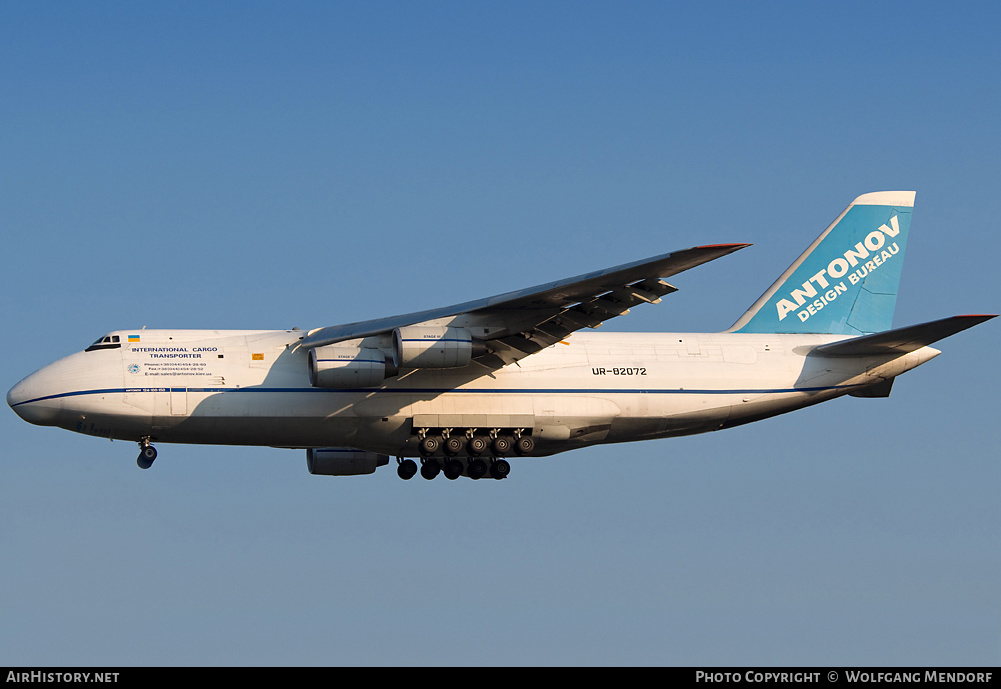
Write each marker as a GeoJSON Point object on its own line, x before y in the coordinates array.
{"type": "Point", "coordinates": [269, 165]}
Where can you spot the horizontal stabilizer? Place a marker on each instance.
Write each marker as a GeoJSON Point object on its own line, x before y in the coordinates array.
{"type": "Point", "coordinates": [902, 340]}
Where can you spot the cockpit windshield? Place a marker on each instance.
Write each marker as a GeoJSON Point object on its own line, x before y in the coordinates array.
{"type": "Point", "coordinates": [106, 342]}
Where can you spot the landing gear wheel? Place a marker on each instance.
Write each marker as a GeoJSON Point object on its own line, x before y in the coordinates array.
{"type": "Point", "coordinates": [453, 445]}
{"type": "Point", "coordinates": [524, 445]}
{"type": "Point", "coordinates": [453, 469]}
{"type": "Point", "coordinates": [476, 469]}
{"type": "Point", "coordinates": [430, 445]}
{"type": "Point", "coordinates": [500, 469]}
{"type": "Point", "coordinates": [477, 445]}
{"type": "Point", "coordinates": [406, 469]}
{"type": "Point", "coordinates": [147, 454]}
{"type": "Point", "coordinates": [501, 445]}
{"type": "Point", "coordinates": [430, 469]}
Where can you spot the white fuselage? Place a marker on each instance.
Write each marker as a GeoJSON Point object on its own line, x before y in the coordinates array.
{"type": "Point", "coordinates": [253, 388]}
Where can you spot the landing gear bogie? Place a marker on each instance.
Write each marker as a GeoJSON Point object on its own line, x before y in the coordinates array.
{"type": "Point", "coordinates": [453, 467]}
{"type": "Point", "coordinates": [473, 452]}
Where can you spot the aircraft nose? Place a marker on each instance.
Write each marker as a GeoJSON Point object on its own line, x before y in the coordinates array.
{"type": "Point", "coordinates": [27, 401]}
{"type": "Point", "coordinates": [15, 395]}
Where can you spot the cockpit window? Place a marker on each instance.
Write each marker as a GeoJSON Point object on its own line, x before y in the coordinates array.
{"type": "Point", "coordinates": [106, 342]}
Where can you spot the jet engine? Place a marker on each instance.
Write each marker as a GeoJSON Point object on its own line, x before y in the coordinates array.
{"type": "Point", "coordinates": [421, 346]}
{"type": "Point", "coordinates": [343, 461]}
{"type": "Point", "coordinates": [346, 367]}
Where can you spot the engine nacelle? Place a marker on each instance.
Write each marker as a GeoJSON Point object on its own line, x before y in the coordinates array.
{"type": "Point", "coordinates": [343, 461]}
{"type": "Point", "coordinates": [421, 346]}
{"type": "Point", "coordinates": [346, 367]}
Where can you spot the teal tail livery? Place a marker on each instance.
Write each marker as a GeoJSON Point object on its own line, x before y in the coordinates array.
{"type": "Point", "coordinates": [459, 390]}
{"type": "Point", "coordinates": [846, 282]}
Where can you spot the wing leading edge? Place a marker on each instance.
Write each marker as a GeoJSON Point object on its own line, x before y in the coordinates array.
{"type": "Point", "coordinates": [525, 321]}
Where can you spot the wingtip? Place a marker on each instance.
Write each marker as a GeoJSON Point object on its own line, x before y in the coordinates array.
{"type": "Point", "coordinates": [732, 247]}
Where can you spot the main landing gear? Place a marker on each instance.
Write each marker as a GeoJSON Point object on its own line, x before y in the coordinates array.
{"type": "Point", "coordinates": [454, 467]}
{"type": "Point", "coordinates": [459, 453]}
{"type": "Point", "coordinates": [147, 453]}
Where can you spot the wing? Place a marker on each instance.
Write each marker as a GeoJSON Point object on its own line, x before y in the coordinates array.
{"type": "Point", "coordinates": [517, 324]}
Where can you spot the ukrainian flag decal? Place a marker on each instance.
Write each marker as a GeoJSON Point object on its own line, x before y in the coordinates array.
{"type": "Point", "coordinates": [133, 338]}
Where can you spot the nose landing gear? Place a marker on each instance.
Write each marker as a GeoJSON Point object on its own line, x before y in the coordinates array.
{"type": "Point", "coordinates": [147, 453]}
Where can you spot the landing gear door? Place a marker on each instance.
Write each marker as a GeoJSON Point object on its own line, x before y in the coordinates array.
{"type": "Point", "coordinates": [139, 388]}
{"type": "Point", "coordinates": [178, 401]}
{"type": "Point", "coordinates": [151, 386]}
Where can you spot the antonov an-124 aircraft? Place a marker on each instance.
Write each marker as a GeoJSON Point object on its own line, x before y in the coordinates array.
{"type": "Point", "coordinates": [458, 390]}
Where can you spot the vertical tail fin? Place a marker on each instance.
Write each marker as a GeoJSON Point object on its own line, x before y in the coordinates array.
{"type": "Point", "coordinates": [846, 282]}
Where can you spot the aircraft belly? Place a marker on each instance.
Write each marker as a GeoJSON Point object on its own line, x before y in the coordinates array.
{"type": "Point", "coordinates": [105, 417]}
{"type": "Point", "coordinates": [254, 416]}
{"type": "Point", "coordinates": [685, 412]}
